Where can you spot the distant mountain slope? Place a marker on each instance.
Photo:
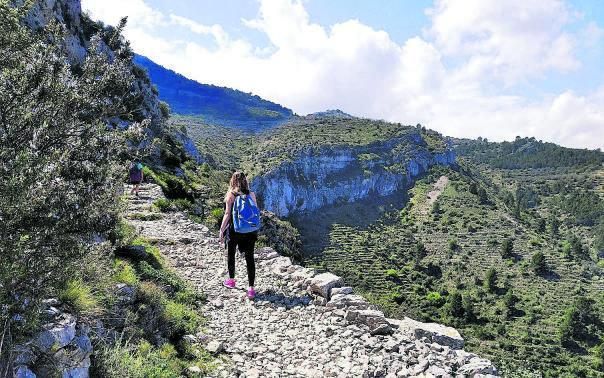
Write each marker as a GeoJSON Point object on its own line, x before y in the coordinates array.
{"type": "Point", "coordinates": [523, 153]}
{"type": "Point", "coordinates": [216, 105]}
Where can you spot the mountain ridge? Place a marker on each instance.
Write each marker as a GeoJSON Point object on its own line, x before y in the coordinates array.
{"type": "Point", "coordinates": [216, 105]}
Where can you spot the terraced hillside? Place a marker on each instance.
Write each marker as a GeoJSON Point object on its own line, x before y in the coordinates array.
{"type": "Point", "coordinates": [503, 253]}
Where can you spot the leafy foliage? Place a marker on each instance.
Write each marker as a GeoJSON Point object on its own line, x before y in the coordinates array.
{"type": "Point", "coordinates": [59, 172]}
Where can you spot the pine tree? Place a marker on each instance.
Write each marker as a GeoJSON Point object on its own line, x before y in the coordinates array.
{"type": "Point", "coordinates": [507, 248]}
{"type": "Point", "coordinates": [490, 280]}
{"type": "Point", "coordinates": [538, 263]}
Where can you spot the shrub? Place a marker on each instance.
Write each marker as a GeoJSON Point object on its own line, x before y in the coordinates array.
{"type": "Point", "coordinates": [453, 245]}
{"type": "Point", "coordinates": [164, 108]}
{"type": "Point", "coordinates": [483, 198]}
{"type": "Point", "coordinates": [392, 273]}
{"type": "Point", "coordinates": [455, 303]}
{"type": "Point", "coordinates": [145, 216]}
{"type": "Point", "coordinates": [123, 233]}
{"type": "Point", "coordinates": [59, 173]}
{"type": "Point", "coordinates": [435, 298]}
{"type": "Point", "coordinates": [125, 273]}
{"type": "Point", "coordinates": [182, 204]}
{"type": "Point", "coordinates": [144, 360]}
{"type": "Point", "coordinates": [577, 321]}
{"type": "Point", "coordinates": [280, 235]}
{"type": "Point", "coordinates": [507, 247]}
{"type": "Point", "coordinates": [419, 252]}
{"type": "Point", "coordinates": [180, 320]}
{"type": "Point", "coordinates": [163, 204]}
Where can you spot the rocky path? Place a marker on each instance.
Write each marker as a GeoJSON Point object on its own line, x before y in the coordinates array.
{"type": "Point", "coordinates": [301, 324]}
{"type": "Point", "coordinates": [438, 188]}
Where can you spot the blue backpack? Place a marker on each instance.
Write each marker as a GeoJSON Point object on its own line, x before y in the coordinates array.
{"type": "Point", "coordinates": [246, 215]}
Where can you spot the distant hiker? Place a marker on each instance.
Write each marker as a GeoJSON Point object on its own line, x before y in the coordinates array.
{"type": "Point", "coordinates": [240, 225]}
{"type": "Point", "coordinates": [136, 176]}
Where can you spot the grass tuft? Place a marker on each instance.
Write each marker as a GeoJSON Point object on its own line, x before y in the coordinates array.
{"type": "Point", "coordinates": [79, 296]}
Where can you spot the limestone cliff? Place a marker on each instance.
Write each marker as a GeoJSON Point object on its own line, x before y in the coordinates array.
{"type": "Point", "coordinates": [325, 176]}
{"type": "Point", "coordinates": [79, 29]}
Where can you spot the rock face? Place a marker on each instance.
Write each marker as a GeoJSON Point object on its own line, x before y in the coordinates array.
{"type": "Point", "coordinates": [301, 323]}
{"type": "Point", "coordinates": [315, 179]}
{"type": "Point", "coordinates": [63, 347]}
{"type": "Point", "coordinates": [66, 12]}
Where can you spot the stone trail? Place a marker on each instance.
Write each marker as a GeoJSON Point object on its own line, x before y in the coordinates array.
{"type": "Point", "coordinates": [301, 324]}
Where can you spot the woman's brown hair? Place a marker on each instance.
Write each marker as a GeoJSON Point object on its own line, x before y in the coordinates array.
{"type": "Point", "coordinates": [239, 184]}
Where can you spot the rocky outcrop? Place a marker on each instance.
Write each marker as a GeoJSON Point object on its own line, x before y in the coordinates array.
{"type": "Point", "coordinates": [302, 323]}
{"type": "Point", "coordinates": [67, 13]}
{"type": "Point", "coordinates": [317, 178]}
{"type": "Point", "coordinates": [62, 347]}
{"type": "Point", "coordinates": [77, 44]}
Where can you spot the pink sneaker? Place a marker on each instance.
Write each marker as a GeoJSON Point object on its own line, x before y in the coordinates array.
{"type": "Point", "coordinates": [230, 283]}
{"type": "Point", "coordinates": [251, 293]}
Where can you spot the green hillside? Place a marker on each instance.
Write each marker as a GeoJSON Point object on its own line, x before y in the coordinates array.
{"type": "Point", "coordinates": [509, 256]}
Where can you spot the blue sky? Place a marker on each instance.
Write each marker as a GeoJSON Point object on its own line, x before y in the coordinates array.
{"type": "Point", "coordinates": [466, 68]}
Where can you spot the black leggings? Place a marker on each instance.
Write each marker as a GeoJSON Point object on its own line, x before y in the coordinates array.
{"type": "Point", "coordinates": [246, 244]}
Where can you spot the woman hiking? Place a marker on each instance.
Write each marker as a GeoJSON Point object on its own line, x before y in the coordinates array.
{"type": "Point", "coordinates": [136, 175]}
{"type": "Point", "coordinates": [239, 228]}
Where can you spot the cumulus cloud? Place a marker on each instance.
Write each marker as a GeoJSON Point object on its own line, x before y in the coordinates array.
{"type": "Point", "coordinates": [459, 76]}
{"type": "Point", "coordinates": [510, 40]}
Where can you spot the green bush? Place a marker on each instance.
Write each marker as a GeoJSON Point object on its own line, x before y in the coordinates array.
{"type": "Point", "coordinates": [173, 187]}
{"type": "Point", "coordinates": [507, 248]}
{"type": "Point", "coordinates": [538, 264]}
{"type": "Point", "coordinates": [453, 245]}
{"type": "Point", "coordinates": [123, 233]}
{"type": "Point", "coordinates": [180, 320]}
{"type": "Point", "coordinates": [392, 273]}
{"type": "Point", "coordinates": [163, 204]}
{"type": "Point", "coordinates": [490, 280]}
{"type": "Point", "coordinates": [455, 305]}
{"type": "Point", "coordinates": [143, 360]}
{"type": "Point", "coordinates": [59, 168]}
{"type": "Point", "coordinates": [435, 298]}
{"type": "Point", "coordinates": [145, 216]}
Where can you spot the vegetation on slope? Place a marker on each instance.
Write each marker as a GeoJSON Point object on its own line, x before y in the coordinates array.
{"type": "Point", "coordinates": [525, 153]}
{"type": "Point", "coordinates": [58, 163]}
{"type": "Point", "coordinates": [62, 166]}
{"type": "Point", "coordinates": [258, 153]}
{"type": "Point", "coordinates": [470, 263]}
{"type": "Point", "coordinates": [151, 308]}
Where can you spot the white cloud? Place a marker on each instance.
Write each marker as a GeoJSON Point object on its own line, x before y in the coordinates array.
{"type": "Point", "coordinates": [494, 46]}
{"type": "Point", "coordinates": [509, 40]}
{"type": "Point", "coordinates": [111, 11]}
{"type": "Point", "coordinates": [215, 31]}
